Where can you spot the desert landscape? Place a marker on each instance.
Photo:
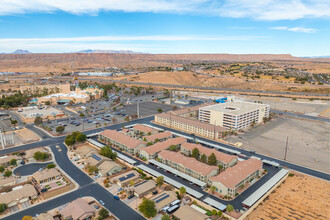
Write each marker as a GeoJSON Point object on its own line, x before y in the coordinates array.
{"type": "Point", "coordinates": [298, 197]}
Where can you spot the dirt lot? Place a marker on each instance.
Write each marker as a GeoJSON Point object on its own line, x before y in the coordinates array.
{"type": "Point", "coordinates": [308, 142]}
{"type": "Point", "coordinates": [299, 197]}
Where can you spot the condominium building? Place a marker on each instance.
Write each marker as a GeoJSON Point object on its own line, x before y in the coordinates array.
{"type": "Point", "coordinates": [189, 125]}
{"type": "Point", "coordinates": [121, 140]}
{"type": "Point", "coordinates": [225, 160]}
{"type": "Point", "coordinates": [188, 165]}
{"type": "Point", "coordinates": [159, 137]}
{"type": "Point", "coordinates": [152, 151]}
{"type": "Point", "coordinates": [143, 129]}
{"type": "Point", "coordinates": [234, 115]}
{"type": "Point", "coordinates": [230, 180]}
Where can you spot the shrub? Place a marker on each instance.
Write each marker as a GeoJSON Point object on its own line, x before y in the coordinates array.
{"type": "Point", "coordinates": [40, 155]}
{"type": "Point", "coordinates": [13, 162]}
{"type": "Point", "coordinates": [2, 168]}
{"type": "Point", "coordinates": [50, 166]}
{"type": "Point", "coordinates": [3, 207]}
{"type": "Point", "coordinates": [8, 173]}
{"type": "Point", "coordinates": [291, 174]}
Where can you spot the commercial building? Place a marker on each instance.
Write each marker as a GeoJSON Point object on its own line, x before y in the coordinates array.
{"type": "Point", "coordinates": [47, 88]}
{"type": "Point", "coordinates": [187, 212]}
{"type": "Point", "coordinates": [121, 140]}
{"type": "Point", "coordinates": [234, 115]}
{"type": "Point", "coordinates": [46, 175]}
{"type": "Point", "coordinates": [19, 195]}
{"type": "Point", "coordinates": [159, 137]}
{"type": "Point", "coordinates": [189, 125]}
{"type": "Point", "coordinates": [125, 178]}
{"type": "Point", "coordinates": [230, 180]}
{"type": "Point", "coordinates": [225, 160]}
{"type": "Point", "coordinates": [188, 165]}
{"type": "Point", "coordinates": [152, 151]}
{"type": "Point", "coordinates": [79, 95]}
{"type": "Point", "coordinates": [144, 188]}
{"type": "Point", "coordinates": [78, 209]}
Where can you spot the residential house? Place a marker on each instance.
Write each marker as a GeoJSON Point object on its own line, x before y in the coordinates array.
{"type": "Point", "coordinates": [5, 160]}
{"type": "Point", "coordinates": [125, 178]}
{"type": "Point", "coordinates": [143, 188]}
{"type": "Point", "coordinates": [163, 199]}
{"type": "Point", "coordinates": [187, 212]}
{"type": "Point", "coordinates": [18, 195]}
{"type": "Point", "coordinates": [78, 209]}
{"type": "Point", "coordinates": [46, 175]}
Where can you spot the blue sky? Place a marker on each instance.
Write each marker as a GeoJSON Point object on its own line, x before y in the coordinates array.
{"type": "Point", "coordinates": [297, 27]}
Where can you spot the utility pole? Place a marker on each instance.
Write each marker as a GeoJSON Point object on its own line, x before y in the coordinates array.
{"type": "Point", "coordinates": [286, 147]}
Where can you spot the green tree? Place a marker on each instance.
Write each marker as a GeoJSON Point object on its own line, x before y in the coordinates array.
{"type": "Point", "coordinates": [106, 151]}
{"type": "Point", "coordinates": [212, 160]}
{"type": "Point", "coordinates": [214, 212]}
{"type": "Point", "coordinates": [204, 158]}
{"type": "Point", "coordinates": [160, 110]}
{"type": "Point", "coordinates": [82, 114]}
{"type": "Point", "coordinates": [81, 137]}
{"type": "Point", "coordinates": [173, 148]}
{"type": "Point", "coordinates": [91, 169]}
{"type": "Point", "coordinates": [8, 173]}
{"type": "Point", "coordinates": [70, 141]}
{"type": "Point", "coordinates": [60, 129]}
{"type": "Point", "coordinates": [212, 189]}
{"type": "Point", "coordinates": [195, 153]}
{"type": "Point", "coordinates": [148, 208]}
{"type": "Point", "coordinates": [165, 217]}
{"type": "Point", "coordinates": [160, 181]}
{"type": "Point", "coordinates": [38, 120]}
{"type": "Point", "coordinates": [3, 207]}
{"type": "Point", "coordinates": [47, 102]}
{"type": "Point", "coordinates": [220, 167]}
{"type": "Point", "coordinates": [13, 162]}
{"type": "Point", "coordinates": [2, 168]}
{"type": "Point", "coordinates": [51, 165]}
{"type": "Point", "coordinates": [103, 213]}
{"type": "Point", "coordinates": [182, 191]}
{"type": "Point", "coordinates": [114, 156]}
{"type": "Point", "coordinates": [219, 213]}
{"type": "Point", "coordinates": [229, 208]}
{"type": "Point", "coordinates": [40, 155]}
{"type": "Point", "coordinates": [13, 122]}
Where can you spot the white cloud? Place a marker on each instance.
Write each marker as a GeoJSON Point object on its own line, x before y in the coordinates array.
{"type": "Point", "coordinates": [260, 9]}
{"type": "Point", "coordinates": [295, 29]}
{"type": "Point", "coordinates": [137, 43]}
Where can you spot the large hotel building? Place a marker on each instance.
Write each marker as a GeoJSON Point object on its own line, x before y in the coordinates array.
{"type": "Point", "coordinates": [234, 115]}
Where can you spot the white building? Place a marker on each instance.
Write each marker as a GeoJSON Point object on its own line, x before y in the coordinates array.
{"type": "Point", "coordinates": [235, 115]}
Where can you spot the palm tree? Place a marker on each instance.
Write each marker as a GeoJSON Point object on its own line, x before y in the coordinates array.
{"type": "Point", "coordinates": [182, 191]}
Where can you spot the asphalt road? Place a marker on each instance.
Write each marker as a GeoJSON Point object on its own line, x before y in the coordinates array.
{"type": "Point", "coordinates": [29, 169]}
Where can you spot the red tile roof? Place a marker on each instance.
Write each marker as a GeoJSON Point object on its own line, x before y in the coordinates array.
{"type": "Point", "coordinates": [160, 135]}
{"type": "Point", "coordinates": [121, 138]}
{"type": "Point", "coordinates": [159, 146]}
{"type": "Point", "coordinates": [188, 162]}
{"type": "Point", "coordinates": [234, 175]}
{"type": "Point", "coordinates": [143, 128]}
{"type": "Point", "coordinates": [225, 158]}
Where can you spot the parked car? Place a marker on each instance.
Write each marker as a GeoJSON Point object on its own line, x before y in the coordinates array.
{"type": "Point", "coordinates": [101, 202]}
{"type": "Point", "coordinates": [154, 192]}
{"type": "Point", "coordinates": [116, 197]}
{"type": "Point", "coordinates": [119, 189]}
{"type": "Point", "coordinates": [130, 196]}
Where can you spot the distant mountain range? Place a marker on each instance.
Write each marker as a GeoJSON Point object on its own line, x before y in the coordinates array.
{"type": "Point", "coordinates": [317, 57]}
{"type": "Point", "coordinates": [108, 51]}
{"type": "Point", "coordinates": [20, 51]}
